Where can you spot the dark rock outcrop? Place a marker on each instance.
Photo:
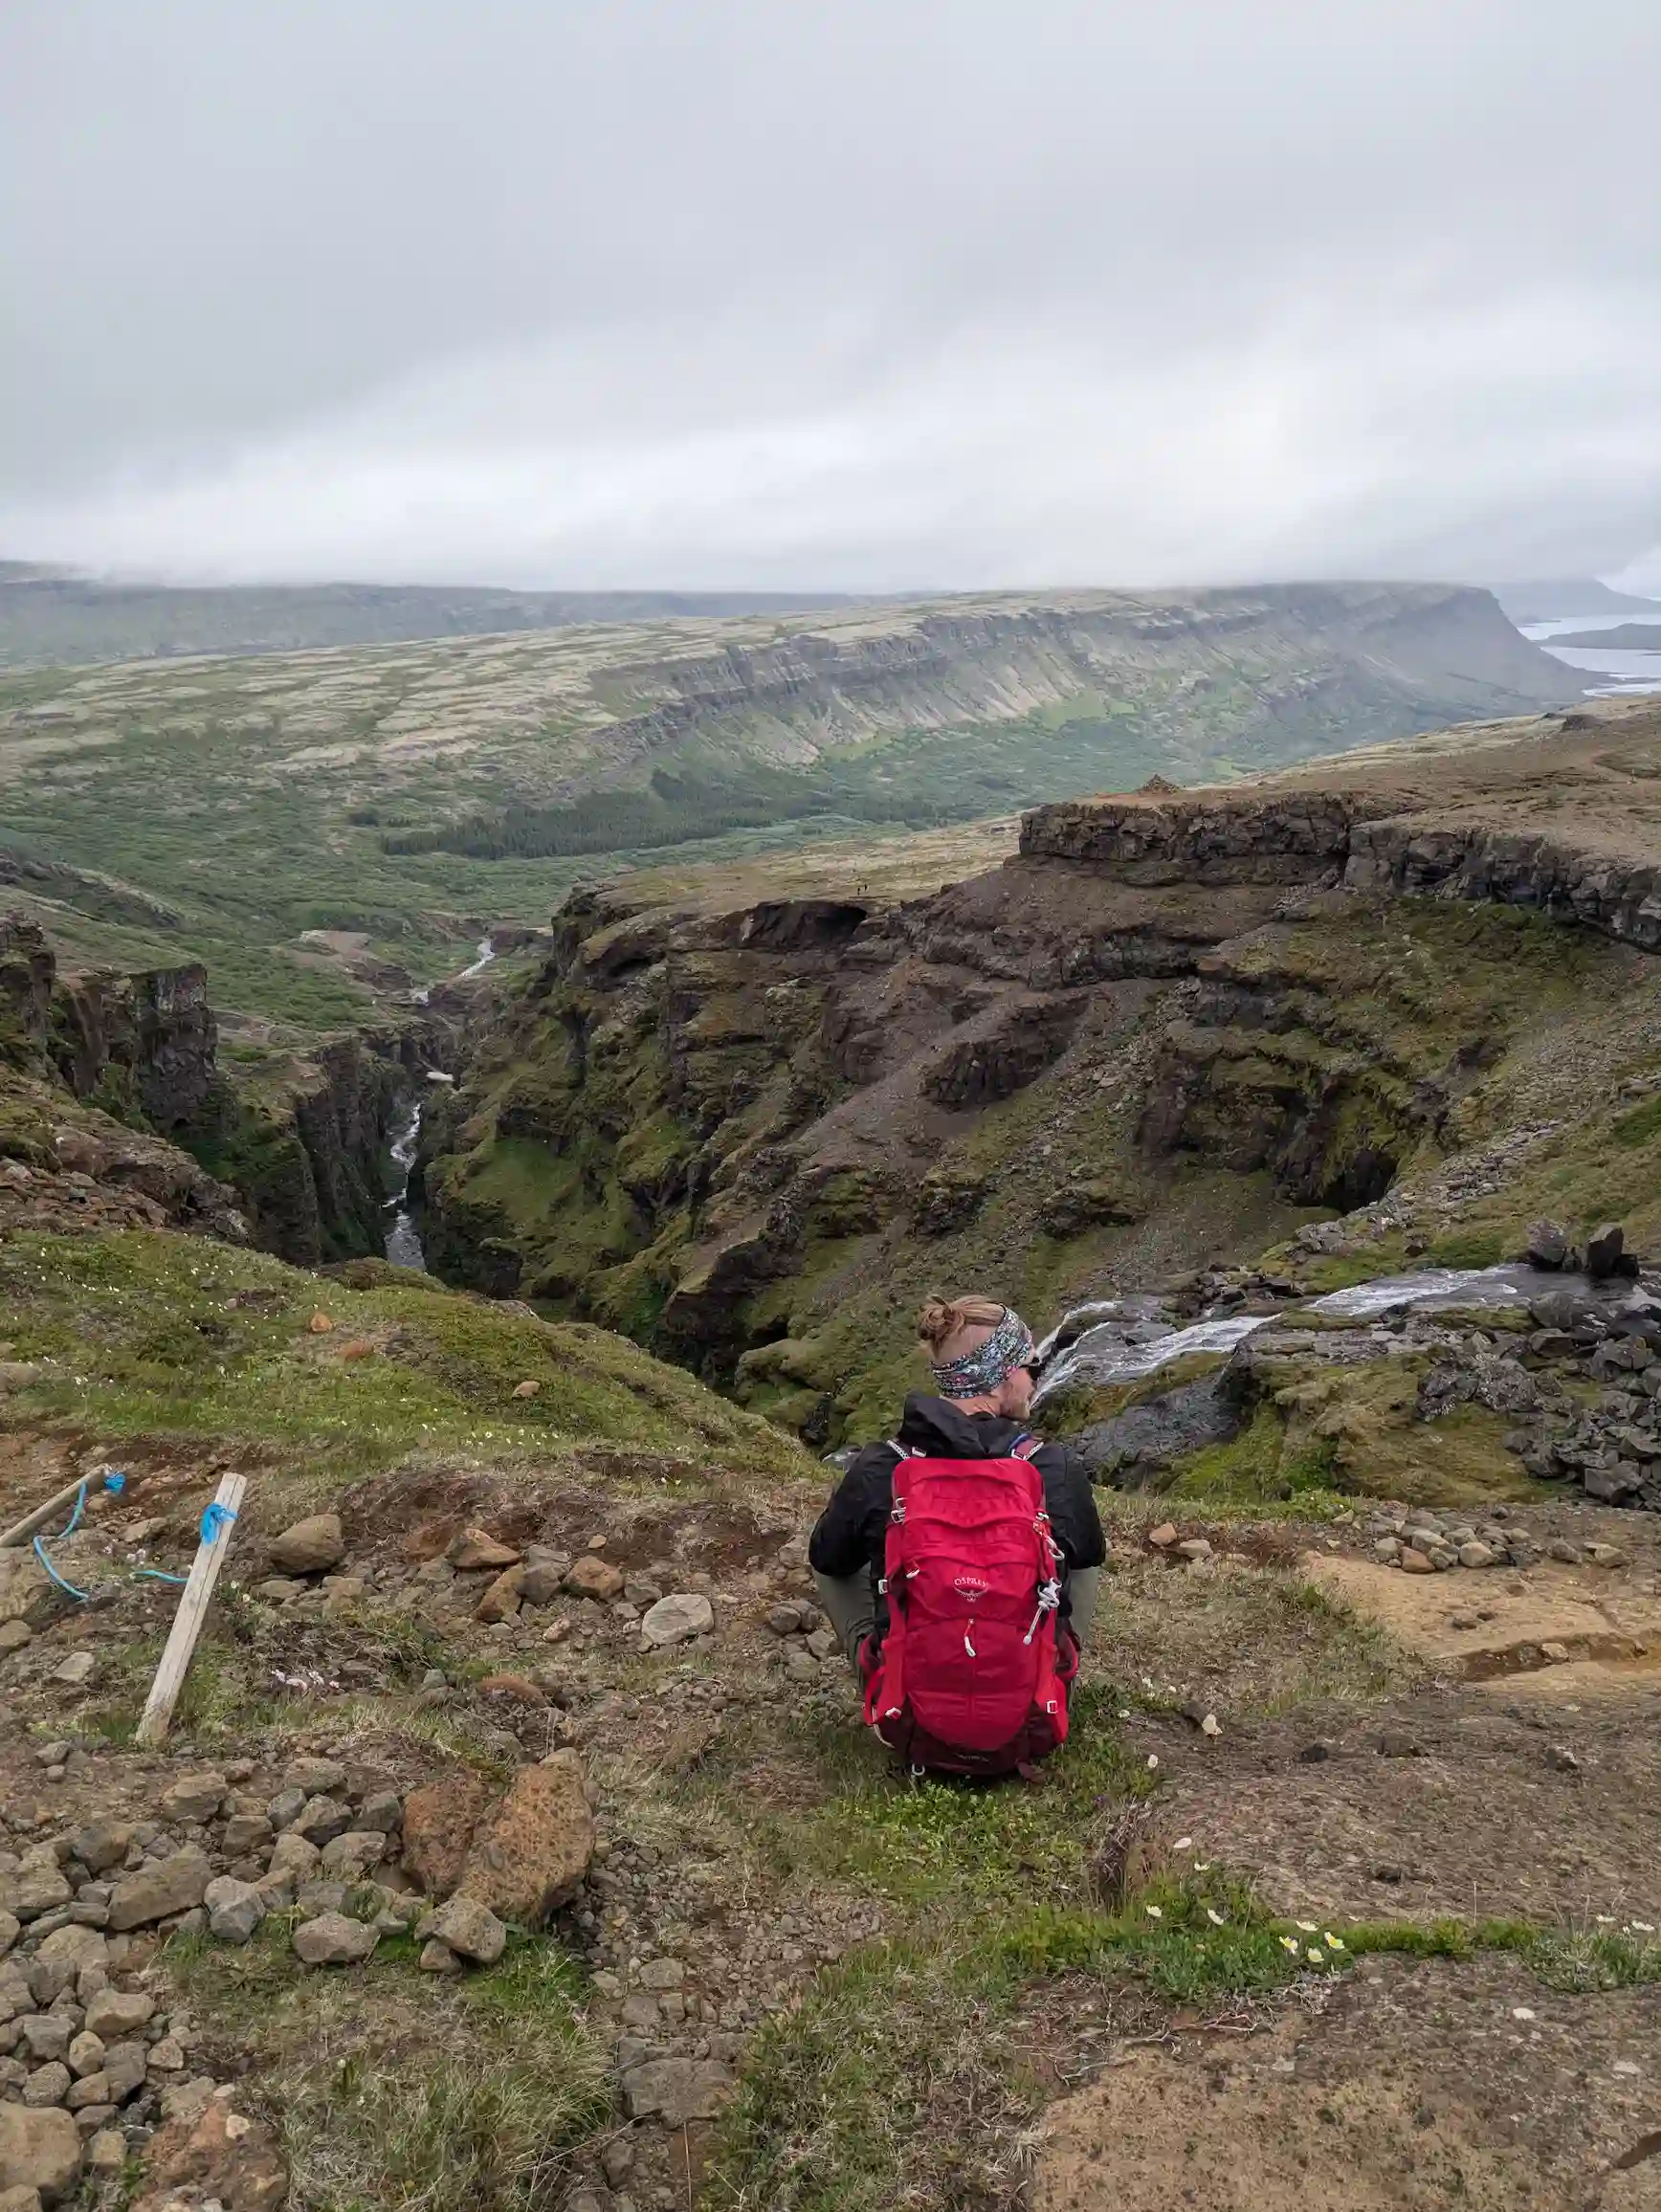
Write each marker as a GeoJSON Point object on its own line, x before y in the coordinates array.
{"type": "Point", "coordinates": [727, 1132]}
{"type": "Point", "coordinates": [1616, 893]}
{"type": "Point", "coordinates": [296, 1161]}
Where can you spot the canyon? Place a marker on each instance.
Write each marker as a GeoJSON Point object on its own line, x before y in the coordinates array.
{"type": "Point", "coordinates": [1315, 1116]}
{"type": "Point", "coordinates": [1168, 1032]}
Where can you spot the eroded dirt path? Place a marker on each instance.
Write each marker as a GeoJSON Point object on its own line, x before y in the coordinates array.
{"type": "Point", "coordinates": [1520, 1779]}
{"type": "Point", "coordinates": [1410, 2088]}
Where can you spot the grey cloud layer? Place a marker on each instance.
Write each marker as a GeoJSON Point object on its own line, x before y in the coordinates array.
{"type": "Point", "coordinates": [852, 293]}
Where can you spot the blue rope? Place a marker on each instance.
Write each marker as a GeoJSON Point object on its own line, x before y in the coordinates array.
{"type": "Point", "coordinates": [114, 1481]}
{"type": "Point", "coordinates": [68, 1588]}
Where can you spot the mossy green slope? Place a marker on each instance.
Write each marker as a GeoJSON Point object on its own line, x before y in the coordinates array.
{"type": "Point", "coordinates": [150, 1335]}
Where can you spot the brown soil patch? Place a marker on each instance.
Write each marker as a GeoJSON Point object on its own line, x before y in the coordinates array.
{"type": "Point", "coordinates": [1494, 1626]}
{"type": "Point", "coordinates": [1458, 1802]}
{"type": "Point", "coordinates": [1411, 2088]}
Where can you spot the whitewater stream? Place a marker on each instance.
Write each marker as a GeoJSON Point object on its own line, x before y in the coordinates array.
{"type": "Point", "coordinates": [1121, 1339]}
{"type": "Point", "coordinates": [403, 1242]}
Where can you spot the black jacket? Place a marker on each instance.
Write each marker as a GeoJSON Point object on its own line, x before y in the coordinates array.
{"type": "Point", "coordinates": [852, 1530]}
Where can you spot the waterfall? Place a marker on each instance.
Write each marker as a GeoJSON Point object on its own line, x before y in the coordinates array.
{"type": "Point", "coordinates": [403, 1243]}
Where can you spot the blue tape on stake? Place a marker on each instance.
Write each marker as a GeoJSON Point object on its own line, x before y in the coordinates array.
{"type": "Point", "coordinates": [115, 1480]}
{"type": "Point", "coordinates": [216, 1518]}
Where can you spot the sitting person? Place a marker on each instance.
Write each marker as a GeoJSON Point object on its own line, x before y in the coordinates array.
{"type": "Point", "coordinates": [958, 1563]}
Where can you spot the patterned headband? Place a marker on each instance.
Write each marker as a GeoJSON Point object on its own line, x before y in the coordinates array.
{"type": "Point", "coordinates": [1009, 1346]}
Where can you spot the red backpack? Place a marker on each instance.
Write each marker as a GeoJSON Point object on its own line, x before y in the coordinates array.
{"type": "Point", "coordinates": [970, 1678]}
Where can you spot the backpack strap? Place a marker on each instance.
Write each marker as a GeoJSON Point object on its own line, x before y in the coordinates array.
{"type": "Point", "coordinates": [885, 1692]}
{"type": "Point", "coordinates": [1025, 1447]}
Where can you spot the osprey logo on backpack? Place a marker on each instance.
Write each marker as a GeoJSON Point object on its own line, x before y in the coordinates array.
{"type": "Point", "coordinates": [971, 1677]}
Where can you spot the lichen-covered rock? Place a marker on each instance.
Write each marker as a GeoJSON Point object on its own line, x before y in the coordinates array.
{"type": "Point", "coordinates": [677, 2089]}
{"type": "Point", "coordinates": [468, 1928]}
{"type": "Point", "coordinates": [677, 1619]}
{"type": "Point", "coordinates": [531, 1852]}
{"type": "Point", "coordinates": [438, 1824]}
{"type": "Point", "coordinates": [215, 2154]}
{"type": "Point", "coordinates": [331, 1939]}
{"type": "Point", "coordinates": [348, 1858]}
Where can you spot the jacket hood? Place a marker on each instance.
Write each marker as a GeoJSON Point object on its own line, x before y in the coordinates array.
{"type": "Point", "coordinates": [944, 1431]}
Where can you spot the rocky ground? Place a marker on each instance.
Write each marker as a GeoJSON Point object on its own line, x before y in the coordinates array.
{"type": "Point", "coordinates": [463, 1728]}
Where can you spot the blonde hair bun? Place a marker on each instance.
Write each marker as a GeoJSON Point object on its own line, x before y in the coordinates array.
{"type": "Point", "coordinates": [941, 1319]}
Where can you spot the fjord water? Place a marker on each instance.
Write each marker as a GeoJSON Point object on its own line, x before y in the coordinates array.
{"type": "Point", "coordinates": [1624, 669]}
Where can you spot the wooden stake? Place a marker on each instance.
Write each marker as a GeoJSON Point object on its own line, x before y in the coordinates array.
{"type": "Point", "coordinates": [19, 1533]}
{"type": "Point", "coordinates": [158, 1713]}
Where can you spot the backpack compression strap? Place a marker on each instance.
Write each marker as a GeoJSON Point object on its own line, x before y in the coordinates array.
{"type": "Point", "coordinates": [885, 1693]}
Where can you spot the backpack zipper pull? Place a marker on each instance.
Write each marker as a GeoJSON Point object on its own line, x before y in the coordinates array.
{"type": "Point", "coordinates": [1049, 1597]}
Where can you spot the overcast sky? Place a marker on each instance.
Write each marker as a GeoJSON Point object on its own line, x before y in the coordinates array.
{"type": "Point", "coordinates": [867, 294]}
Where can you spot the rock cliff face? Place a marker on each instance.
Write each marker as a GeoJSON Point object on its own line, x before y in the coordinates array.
{"type": "Point", "coordinates": [149, 1041]}
{"type": "Point", "coordinates": [1164, 1032]}
{"type": "Point", "coordinates": [1404, 654]}
{"type": "Point", "coordinates": [303, 1137]}
{"type": "Point", "coordinates": [296, 1163]}
{"type": "Point", "coordinates": [142, 1046]}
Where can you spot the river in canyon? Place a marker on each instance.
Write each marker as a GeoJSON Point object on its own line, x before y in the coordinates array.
{"type": "Point", "coordinates": [403, 1240]}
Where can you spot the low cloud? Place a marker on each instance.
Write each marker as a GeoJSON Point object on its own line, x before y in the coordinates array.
{"type": "Point", "coordinates": [917, 298]}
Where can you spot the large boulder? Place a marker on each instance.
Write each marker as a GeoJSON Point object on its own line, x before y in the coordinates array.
{"type": "Point", "coordinates": [331, 1939]}
{"type": "Point", "coordinates": [39, 2150]}
{"type": "Point", "coordinates": [678, 1618]}
{"type": "Point", "coordinates": [529, 1855]}
{"type": "Point", "coordinates": [311, 1546]}
{"type": "Point", "coordinates": [1603, 1248]}
{"type": "Point", "coordinates": [215, 2155]}
{"type": "Point", "coordinates": [160, 1889]}
{"type": "Point", "coordinates": [438, 1824]}
{"type": "Point", "coordinates": [1548, 1244]}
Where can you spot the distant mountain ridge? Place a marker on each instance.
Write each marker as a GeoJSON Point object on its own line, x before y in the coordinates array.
{"type": "Point", "coordinates": [406, 795]}
{"type": "Point", "coordinates": [55, 617]}
{"type": "Point", "coordinates": [1560, 598]}
{"type": "Point", "coordinates": [1625, 636]}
